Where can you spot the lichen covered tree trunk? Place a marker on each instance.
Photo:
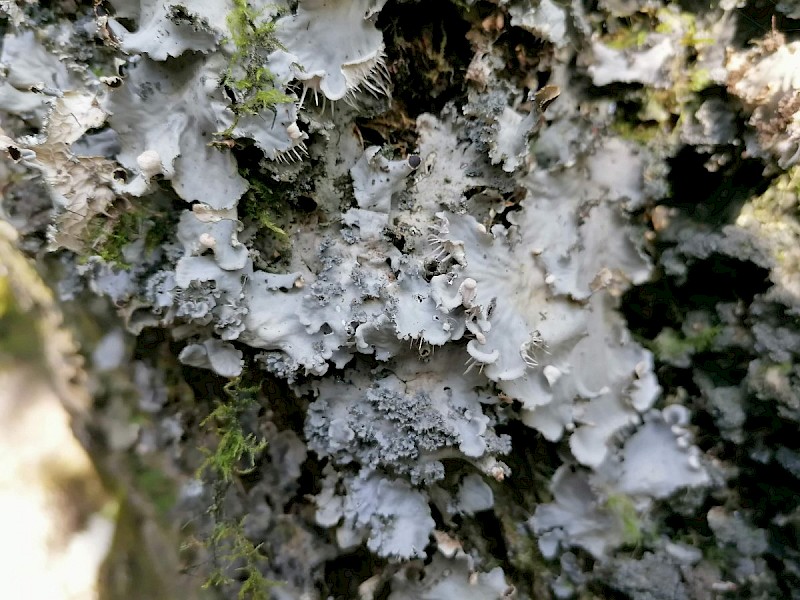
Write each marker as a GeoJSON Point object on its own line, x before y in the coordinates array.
{"type": "Point", "coordinates": [392, 299]}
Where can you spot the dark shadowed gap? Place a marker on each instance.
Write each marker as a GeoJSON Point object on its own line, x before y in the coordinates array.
{"type": "Point", "coordinates": [346, 572]}
{"type": "Point", "coordinates": [714, 197]}
{"type": "Point", "coordinates": [756, 19]}
{"type": "Point", "coordinates": [651, 307]}
{"type": "Point", "coordinates": [427, 53]}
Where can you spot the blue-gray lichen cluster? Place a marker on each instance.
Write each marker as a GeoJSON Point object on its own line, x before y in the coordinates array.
{"type": "Point", "coordinates": [442, 306]}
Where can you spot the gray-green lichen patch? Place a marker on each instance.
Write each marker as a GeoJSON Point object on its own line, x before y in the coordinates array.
{"type": "Point", "coordinates": [335, 48]}
{"type": "Point", "coordinates": [169, 29]}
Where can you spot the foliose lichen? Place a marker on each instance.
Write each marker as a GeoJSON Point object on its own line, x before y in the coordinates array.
{"type": "Point", "coordinates": [480, 296]}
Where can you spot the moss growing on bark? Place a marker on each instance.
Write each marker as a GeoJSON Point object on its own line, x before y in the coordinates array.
{"type": "Point", "coordinates": [236, 451]}
{"type": "Point", "coordinates": [253, 38]}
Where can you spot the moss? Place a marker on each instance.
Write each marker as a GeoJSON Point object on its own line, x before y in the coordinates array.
{"type": "Point", "coordinates": [232, 547]}
{"type": "Point", "coordinates": [264, 205]}
{"type": "Point", "coordinates": [235, 454]}
{"type": "Point", "coordinates": [234, 448]}
{"type": "Point", "coordinates": [623, 39]}
{"type": "Point", "coordinates": [664, 28]}
{"type": "Point", "coordinates": [670, 20]}
{"type": "Point", "coordinates": [667, 107]}
{"type": "Point", "coordinates": [524, 556]}
{"type": "Point", "coordinates": [267, 206]}
{"type": "Point", "coordinates": [784, 368]}
{"type": "Point", "coordinates": [781, 197]}
{"type": "Point", "coordinates": [694, 39]}
{"type": "Point", "coordinates": [633, 31]}
{"type": "Point", "coordinates": [107, 236]}
{"type": "Point", "coordinates": [700, 79]}
{"type": "Point", "coordinates": [159, 231]}
{"type": "Point", "coordinates": [622, 507]}
{"type": "Point", "coordinates": [675, 348]}
{"type": "Point", "coordinates": [641, 133]}
{"type": "Point", "coordinates": [253, 38]}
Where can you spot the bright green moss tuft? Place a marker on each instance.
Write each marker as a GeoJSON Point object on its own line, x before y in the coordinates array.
{"type": "Point", "coordinates": [235, 454]}
{"type": "Point", "coordinates": [253, 38]}
{"type": "Point", "coordinates": [700, 79]}
{"type": "Point", "coordinates": [231, 546]}
{"type": "Point", "coordinates": [234, 448]}
{"type": "Point", "coordinates": [264, 206]}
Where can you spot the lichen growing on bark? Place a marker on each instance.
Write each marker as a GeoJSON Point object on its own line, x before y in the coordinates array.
{"type": "Point", "coordinates": [560, 258]}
